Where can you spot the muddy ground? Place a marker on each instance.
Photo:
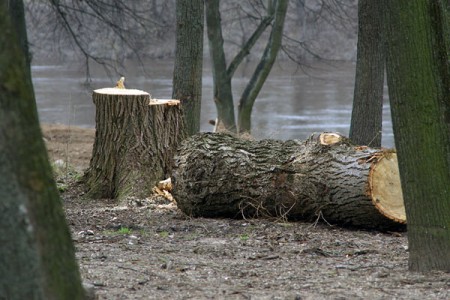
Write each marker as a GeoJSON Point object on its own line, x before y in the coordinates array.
{"type": "Point", "coordinates": [148, 249]}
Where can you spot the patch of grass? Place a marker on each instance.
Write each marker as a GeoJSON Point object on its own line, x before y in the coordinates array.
{"type": "Point", "coordinates": [121, 230]}
{"type": "Point", "coordinates": [124, 230]}
{"type": "Point", "coordinates": [244, 237]}
{"type": "Point", "coordinates": [163, 234]}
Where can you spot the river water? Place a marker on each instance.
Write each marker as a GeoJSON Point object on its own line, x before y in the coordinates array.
{"type": "Point", "coordinates": [292, 105]}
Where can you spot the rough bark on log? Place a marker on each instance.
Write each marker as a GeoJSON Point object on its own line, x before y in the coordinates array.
{"type": "Point", "coordinates": [218, 175]}
{"type": "Point", "coordinates": [135, 140]}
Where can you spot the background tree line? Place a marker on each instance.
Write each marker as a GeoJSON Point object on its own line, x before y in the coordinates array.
{"type": "Point", "coordinates": [116, 30]}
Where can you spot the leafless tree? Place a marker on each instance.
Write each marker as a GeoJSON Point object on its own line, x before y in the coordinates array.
{"type": "Point", "coordinates": [101, 31]}
{"type": "Point", "coordinates": [243, 26]}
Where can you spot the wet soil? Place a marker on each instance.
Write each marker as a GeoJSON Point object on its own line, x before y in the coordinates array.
{"type": "Point", "coordinates": [148, 249]}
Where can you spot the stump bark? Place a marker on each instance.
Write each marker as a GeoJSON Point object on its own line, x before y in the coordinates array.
{"type": "Point", "coordinates": [218, 175]}
{"type": "Point", "coordinates": [135, 141]}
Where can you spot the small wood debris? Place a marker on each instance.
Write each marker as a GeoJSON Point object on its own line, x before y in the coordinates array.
{"type": "Point", "coordinates": [120, 84]}
{"type": "Point", "coordinates": [164, 188]}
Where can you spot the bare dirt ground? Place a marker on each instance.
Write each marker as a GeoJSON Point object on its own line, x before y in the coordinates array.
{"type": "Point", "coordinates": [148, 249]}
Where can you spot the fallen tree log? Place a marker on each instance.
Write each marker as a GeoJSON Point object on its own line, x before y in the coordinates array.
{"type": "Point", "coordinates": [135, 141]}
{"type": "Point", "coordinates": [218, 175]}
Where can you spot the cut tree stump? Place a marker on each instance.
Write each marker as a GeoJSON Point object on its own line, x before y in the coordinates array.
{"type": "Point", "coordinates": [135, 141]}
{"type": "Point", "coordinates": [324, 177]}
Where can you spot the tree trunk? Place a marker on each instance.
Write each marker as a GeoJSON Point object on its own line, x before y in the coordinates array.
{"type": "Point", "coordinates": [37, 258]}
{"type": "Point", "coordinates": [16, 11]}
{"type": "Point", "coordinates": [223, 96]}
{"type": "Point", "coordinates": [187, 75]}
{"type": "Point", "coordinates": [135, 141]}
{"type": "Point", "coordinates": [419, 84]}
{"type": "Point", "coordinates": [366, 122]}
{"type": "Point", "coordinates": [217, 175]}
{"type": "Point", "coordinates": [263, 69]}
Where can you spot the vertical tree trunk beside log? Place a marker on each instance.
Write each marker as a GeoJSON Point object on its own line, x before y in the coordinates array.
{"type": "Point", "coordinates": [135, 141]}
{"type": "Point", "coordinates": [188, 66]}
{"type": "Point", "coordinates": [418, 76]}
{"type": "Point", "coordinates": [367, 111]}
{"type": "Point", "coordinates": [217, 175]}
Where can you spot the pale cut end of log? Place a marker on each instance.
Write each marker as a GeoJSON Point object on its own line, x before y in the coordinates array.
{"type": "Point", "coordinates": [169, 102]}
{"type": "Point", "coordinates": [330, 138]}
{"type": "Point", "coordinates": [117, 91]}
{"type": "Point", "coordinates": [385, 187]}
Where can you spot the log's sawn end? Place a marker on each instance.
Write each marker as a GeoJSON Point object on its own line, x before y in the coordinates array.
{"type": "Point", "coordinates": [330, 138]}
{"type": "Point", "coordinates": [385, 187]}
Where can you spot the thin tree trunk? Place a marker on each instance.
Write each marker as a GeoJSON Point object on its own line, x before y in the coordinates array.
{"type": "Point", "coordinates": [419, 84]}
{"type": "Point", "coordinates": [37, 258]}
{"type": "Point", "coordinates": [223, 96]}
{"type": "Point", "coordinates": [265, 22]}
{"type": "Point", "coordinates": [263, 69]}
{"type": "Point", "coordinates": [217, 175]}
{"type": "Point", "coordinates": [366, 121]}
{"type": "Point", "coordinates": [187, 75]}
